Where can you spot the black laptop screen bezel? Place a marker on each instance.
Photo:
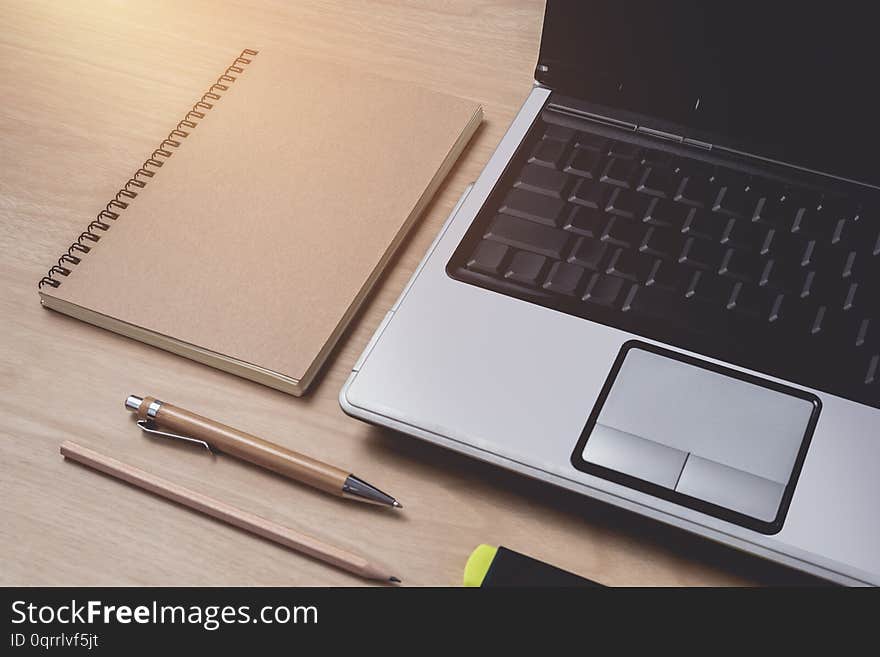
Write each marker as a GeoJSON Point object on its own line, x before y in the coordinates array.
{"type": "Point", "coordinates": [843, 145]}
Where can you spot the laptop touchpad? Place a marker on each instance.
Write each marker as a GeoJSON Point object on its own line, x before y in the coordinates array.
{"type": "Point", "coordinates": [702, 435]}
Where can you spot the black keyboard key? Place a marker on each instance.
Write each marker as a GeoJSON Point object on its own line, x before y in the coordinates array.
{"type": "Point", "coordinates": [868, 332]}
{"type": "Point", "coordinates": [548, 153]}
{"type": "Point", "coordinates": [819, 256]}
{"type": "Point", "coordinates": [696, 191]}
{"type": "Point", "coordinates": [872, 375]}
{"type": "Point", "coordinates": [736, 180]}
{"type": "Point", "coordinates": [665, 214]}
{"type": "Point", "coordinates": [630, 265]}
{"type": "Point", "coordinates": [527, 235]}
{"type": "Point", "coordinates": [671, 276]}
{"type": "Point", "coordinates": [812, 224]}
{"type": "Point", "coordinates": [863, 373]}
{"type": "Point", "coordinates": [799, 319]}
{"type": "Point", "coordinates": [656, 303]}
{"type": "Point", "coordinates": [775, 212]}
{"type": "Point", "coordinates": [625, 150]}
{"type": "Point", "coordinates": [839, 293]}
{"type": "Point", "coordinates": [830, 288]}
{"type": "Point", "coordinates": [488, 257]}
{"type": "Point", "coordinates": [865, 232]}
{"type": "Point", "coordinates": [746, 300]}
{"type": "Point", "coordinates": [564, 278]}
{"type": "Point", "coordinates": [584, 163]}
{"type": "Point", "coordinates": [853, 265]}
{"type": "Point", "coordinates": [623, 232]}
{"type": "Point", "coordinates": [852, 298]}
{"type": "Point", "coordinates": [802, 198]}
{"type": "Point", "coordinates": [821, 321]}
{"type": "Point", "coordinates": [662, 159]}
{"type": "Point", "coordinates": [592, 142]}
{"type": "Point", "coordinates": [662, 243]}
{"type": "Point", "coordinates": [589, 193]}
{"type": "Point", "coordinates": [746, 235]}
{"type": "Point", "coordinates": [783, 245]}
{"type": "Point", "coordinates": [708, 289]}
{"type": "Point", "coordinates": [843, 329]}
{"type": "Point", "coordinates": [535, 207]}
{"type": "Point", "coordinates": [704, 225]}
{"type": "Point", "coordinates": [604, 290]}
{"type": "Point", "coordinates": [839, 207]}
{"type": "Point", "coordinates": [701, 254]}
{"type": "Point", "coordinates": [658, 181]}
{"type": "Point", "coordinates": [842, 232]}
{"type": "Point", "coordinates": [589, 253]}
{"type": "Point", "coordinates": [542, 180]}
{"type": "Point", "coordinates": [696, 168]}
{"type": "Point", "coordinates": [626, 203]}
{"type": "Point", "coordinates": [735, 202]}
{"type": "Point", "coordinates": [526, 268]}
{"type": "Point", "coordinates": [783, 276]}
{"type": "Point", "coordinates": [586, 221]}
{"type": "Point", "coordinates": [766, 241]}
{"type": "Point", "coordinates": [620, 172]}
{"type": "Point", "coordinates": [559, 133]}
{"type": "Point", "coordinates": [742, 265]}
{"type": "Point", "coordinates": [810, 256]}
{"type": "Point", "coordinates": [811, 286]}
{"type": "Point", "coordinates": [778, 308]}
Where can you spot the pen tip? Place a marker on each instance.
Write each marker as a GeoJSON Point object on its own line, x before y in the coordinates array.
{"type": "Point", "coordinates": [394, 579]}
{"type": "Point", "coordinates": [397, 504]}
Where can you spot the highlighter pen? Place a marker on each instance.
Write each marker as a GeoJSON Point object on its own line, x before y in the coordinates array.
{"type": "Point", "coordinates": [499, 566]}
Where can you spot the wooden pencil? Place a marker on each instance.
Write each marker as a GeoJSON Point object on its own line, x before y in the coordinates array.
{"type": "Point", "coordinates": [232, 515]}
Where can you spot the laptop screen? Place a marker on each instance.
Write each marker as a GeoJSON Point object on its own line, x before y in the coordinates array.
{"type": "Point", "coordinates": [795, 82]}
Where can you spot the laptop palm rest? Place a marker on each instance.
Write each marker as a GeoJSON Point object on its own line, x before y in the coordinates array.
{"type": "Point", "coordinates": [704, 436]}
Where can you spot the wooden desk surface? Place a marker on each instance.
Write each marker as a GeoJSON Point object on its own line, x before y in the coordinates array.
{"type": "Point", "coordinates": [88, 88]}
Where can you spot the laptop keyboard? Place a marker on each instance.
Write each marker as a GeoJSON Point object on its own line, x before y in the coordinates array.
{"type": "Point", "coordinates": [741, 266]}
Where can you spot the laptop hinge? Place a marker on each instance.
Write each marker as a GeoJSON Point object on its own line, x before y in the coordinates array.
{"type": "Point", "coordinates": [660, 134]}
{"type": "Point", "coordinates": [598, 118]}
{"type": "Point", "coordinates": [625, 125]}
{"type": "Point", "coordinates": [697, 143]}
{"type": "Point", "coordinates": [678, 139]}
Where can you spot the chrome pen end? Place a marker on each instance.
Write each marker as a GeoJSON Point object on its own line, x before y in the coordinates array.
{"type": "Point", "coordinates": [133, 403]}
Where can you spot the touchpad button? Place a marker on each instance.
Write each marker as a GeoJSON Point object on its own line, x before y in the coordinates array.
{"type": "Point", "coordinates": [635, 456]}
{"type": "Point", "coordinates": [731, 488]}
{"type": "Point", "coordinates": [706, 432]}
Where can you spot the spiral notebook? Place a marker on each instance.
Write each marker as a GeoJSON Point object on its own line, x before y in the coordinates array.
{"type": "Point", "coordinates": [252, 234]}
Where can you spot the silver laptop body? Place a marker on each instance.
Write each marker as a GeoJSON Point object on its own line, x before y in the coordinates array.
{"type": "Point", "coordinates": [545, 394]}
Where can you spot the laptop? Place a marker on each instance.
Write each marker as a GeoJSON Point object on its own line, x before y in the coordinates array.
{"type": "Point", "coordinates": [663, 291]}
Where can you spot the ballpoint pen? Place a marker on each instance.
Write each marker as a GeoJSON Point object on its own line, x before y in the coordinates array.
{"type": "Point", "coordinates": [159, 418]}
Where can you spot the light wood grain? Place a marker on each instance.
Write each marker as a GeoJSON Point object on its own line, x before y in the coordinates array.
{"type": "Point", "coordinates": [87, 89]}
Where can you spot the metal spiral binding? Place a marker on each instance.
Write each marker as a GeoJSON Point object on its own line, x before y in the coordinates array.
{"type": "Point", "coordinates": [111, 212]}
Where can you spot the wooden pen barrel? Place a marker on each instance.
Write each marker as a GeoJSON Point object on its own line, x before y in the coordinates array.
{"type": "Point", "coordinates": [245, 446]}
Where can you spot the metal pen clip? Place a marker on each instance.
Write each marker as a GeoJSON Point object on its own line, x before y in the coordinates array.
{"type": "Point", "coordinates": [150, 427]}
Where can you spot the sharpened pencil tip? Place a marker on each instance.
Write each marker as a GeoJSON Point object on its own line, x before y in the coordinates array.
{"type": "Point", "coordinates": [394, 579]}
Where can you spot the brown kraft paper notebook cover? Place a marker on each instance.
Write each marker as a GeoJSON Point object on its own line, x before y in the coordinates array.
{"type": "Point", "coordinates": [249, 239]}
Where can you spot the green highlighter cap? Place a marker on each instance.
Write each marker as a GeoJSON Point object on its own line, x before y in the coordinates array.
{"type": "Point", "coordinates": [478, 565]}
